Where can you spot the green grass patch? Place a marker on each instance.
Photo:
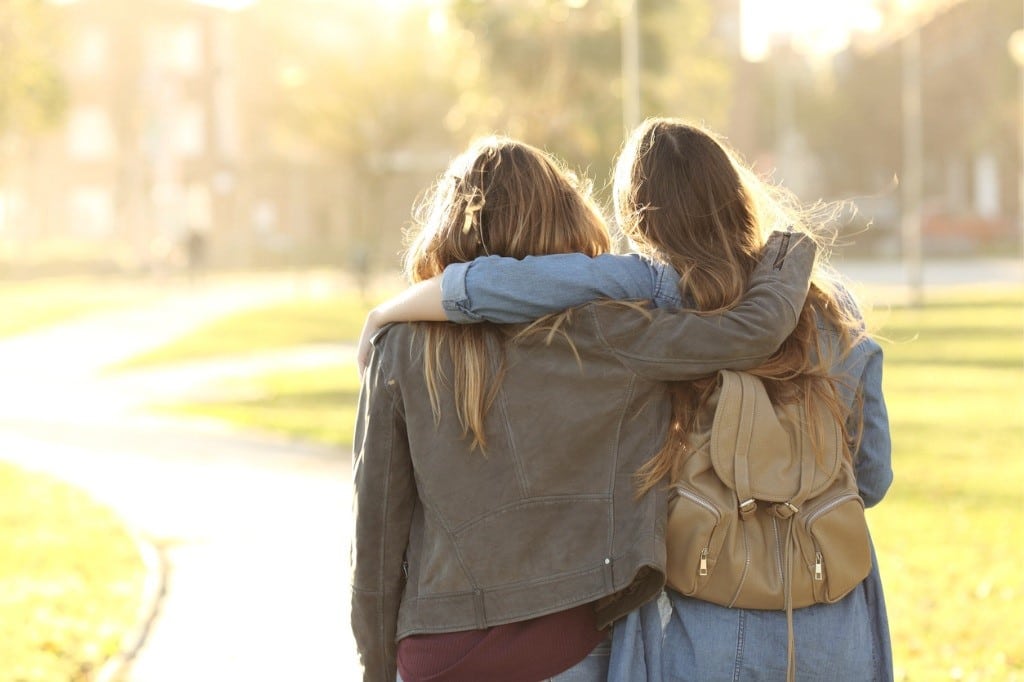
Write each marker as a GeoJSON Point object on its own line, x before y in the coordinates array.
{"type": "Point", "coordinates": [949, 533]}
{"type": "Point", "coordinates": [330, 319]}
{"type": "Point", "coordinates": [34, 304]}
{"type": "Point", "coordinates": [315, 404]}
{"type": "Point", "coordinates": [70, 580]}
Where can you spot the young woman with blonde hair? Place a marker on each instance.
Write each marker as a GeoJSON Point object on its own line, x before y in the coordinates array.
{"type": "Point", "coordinates": [701, 217]}
{"type": "Point", "coordinates": [498, 531]}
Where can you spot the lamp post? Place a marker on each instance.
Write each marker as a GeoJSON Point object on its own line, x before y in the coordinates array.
{"type": "Point", "coordinates": [911, 181]}
{"type": "Point", "coordinates": [1016, 47]}
{"type": "Point", "coordinates": [630, 66]}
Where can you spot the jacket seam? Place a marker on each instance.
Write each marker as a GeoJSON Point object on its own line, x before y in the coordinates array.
{"type": "Point", "coordinates": [531, 501]}
{"type": "Point", "coordinates": [385, 523]}
{"type": "Point", "coordinates": [524, 485]}
{"type": "Point", "coordinates": [452, 538]}
{"type": "Point", "coordinates": [613, 479]}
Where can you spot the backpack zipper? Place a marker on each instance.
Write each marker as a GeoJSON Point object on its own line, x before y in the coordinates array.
{"type": "Point", "coordinates": [827, 507]}
{"type": "Point", "coordinates": [704, 503]}
{"type": "Point", "coordinates": [819, 560]}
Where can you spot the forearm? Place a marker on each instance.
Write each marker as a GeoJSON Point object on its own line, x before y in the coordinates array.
{"type": "Point", "coordinates": [420, 302]}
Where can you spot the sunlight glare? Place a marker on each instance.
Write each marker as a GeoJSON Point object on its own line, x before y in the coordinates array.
{"type": "Point", "coordinates": [815, 27]}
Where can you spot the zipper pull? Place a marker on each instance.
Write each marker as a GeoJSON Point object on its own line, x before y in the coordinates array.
{"type": "Point", "coordinates": [703, 561]}
{"type": "Point", "coordinates": [817, 565]}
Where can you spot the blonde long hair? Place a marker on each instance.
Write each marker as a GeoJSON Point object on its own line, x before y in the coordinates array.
{"type": "Point", "coordinates": [683, 197]}
{"type": "Point", "coordinates": [500, 197]}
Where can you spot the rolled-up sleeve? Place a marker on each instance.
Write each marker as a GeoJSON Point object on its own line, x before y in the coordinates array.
{"type": "Point", "coordinates": [509, 290]}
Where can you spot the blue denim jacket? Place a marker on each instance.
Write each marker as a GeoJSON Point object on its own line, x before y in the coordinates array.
{"type": "Point", "coordinates": [686, 639]}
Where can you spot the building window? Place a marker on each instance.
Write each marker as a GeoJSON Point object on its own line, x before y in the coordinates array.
{"type": "Point", "coordinates": [90, 135]}
{"type": "Point", "coordinates": [92, 212]}
{"type": "Point", "coordinates": [90, 51]}
{"type": "Point", "coordinates": [175, 49]}
{"type": "Point", "coordinates": [190, 130]}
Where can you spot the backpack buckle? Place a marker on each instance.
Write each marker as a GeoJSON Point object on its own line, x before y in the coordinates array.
{"type": "Point", "coordinates": [785, 510]}
{"type": "Point", "coordinates": [748, 507]}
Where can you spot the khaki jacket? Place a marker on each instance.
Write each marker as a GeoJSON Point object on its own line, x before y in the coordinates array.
{"type": "Point", "coordinates": [448, 540]}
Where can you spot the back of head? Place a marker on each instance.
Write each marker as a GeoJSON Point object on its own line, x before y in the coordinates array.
{"type": "Point", "coordinates": [680, 197]}
{"type": "Point", "coordinates": [506, 198]}
{"type": "Point", "coordinates": [500, 197]}
{"type": "Point", "coordinates": [685, 198]}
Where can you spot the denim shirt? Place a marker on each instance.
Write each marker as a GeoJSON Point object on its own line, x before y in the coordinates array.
{"type": "Point", "coordinates": [507, 290]}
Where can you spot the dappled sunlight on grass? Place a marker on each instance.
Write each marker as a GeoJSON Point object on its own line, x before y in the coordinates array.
{"type": "Point", "coordinates": [949, 533]}
{"type": "Point", "coordinates": [313, 404]}
{"type": "Point", "coordinates": [329, 319]}
{"type": "Point", "coordinates": [31, 305]}
{"type": "Point", "coordinates": [70, 580]}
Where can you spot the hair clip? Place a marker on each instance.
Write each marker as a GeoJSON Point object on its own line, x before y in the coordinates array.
{"type": "Point", "coordinates": [474, 204]}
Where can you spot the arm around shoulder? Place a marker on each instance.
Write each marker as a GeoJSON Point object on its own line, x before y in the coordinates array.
{"type": "Point", "coordinates": [676, 346]}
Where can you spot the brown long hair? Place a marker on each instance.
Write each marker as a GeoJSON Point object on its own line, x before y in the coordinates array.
{"type": "Point", "coordinates": [500, 197]}
{"type": "Point", "coordinates": [683, 197]}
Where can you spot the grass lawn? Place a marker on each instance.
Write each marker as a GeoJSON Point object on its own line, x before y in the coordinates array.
{"type": "Point", "coordinates": [33, 304]}
{"type": "Point", "coordinates": [70, 580]}
{"type": "Point", "coordinates": [949, 533]}
{"type": "Point", "coordinates": [317, 404]}
{"type": "Point", "coordinates": [338, 317]}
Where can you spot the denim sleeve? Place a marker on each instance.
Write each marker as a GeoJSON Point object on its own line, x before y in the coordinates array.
{"type": "Point", "coordinates": [860, 372]}
{"type": "Point", "coordinates": [873, 459]}
{"type": "Point", "coordinates": [508, 290]}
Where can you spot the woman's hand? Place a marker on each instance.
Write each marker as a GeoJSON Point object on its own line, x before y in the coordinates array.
{"type": "Point", "coordinates": [370, 327]}
{"type": "Point", "coordinates": [419, 303]}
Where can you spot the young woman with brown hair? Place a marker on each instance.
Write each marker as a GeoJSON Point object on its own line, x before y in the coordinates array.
{"type": "Point", "coordinates": [702, 217]}
{"type": "Point", "coordinates": [498, 531]}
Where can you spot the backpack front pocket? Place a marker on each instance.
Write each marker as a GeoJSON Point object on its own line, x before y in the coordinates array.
{"type": "Point", "coordinates": [691, 540]}
{"type": "Point", "coordinates": [838, 553]}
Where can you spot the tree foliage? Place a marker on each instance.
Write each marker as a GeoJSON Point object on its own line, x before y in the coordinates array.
{"type": "Point", "coordinates": [348, 80]}
{"type": "Point", "coordinates": [550, 71]}
{"type": "Point", "coordinates": [32, 91]}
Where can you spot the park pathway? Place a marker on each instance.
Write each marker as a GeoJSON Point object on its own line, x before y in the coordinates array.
{"type": "Point", "coordinates": [253, 530]}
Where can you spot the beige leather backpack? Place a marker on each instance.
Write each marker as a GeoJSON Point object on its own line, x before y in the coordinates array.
{"type": "Point", "coordinates": [757, 520]}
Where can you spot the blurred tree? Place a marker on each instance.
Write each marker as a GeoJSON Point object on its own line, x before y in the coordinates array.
{"type": "Point", "coordinates": [851, 118]}
{"type": "Point", "coordinates": [852, 115]}
{"type": "Point", "coordinates": [32, 91]}
{"type": "Point", "coordinates": [550, 71]}
{"type": "Point", "coordinates": [357, 87]}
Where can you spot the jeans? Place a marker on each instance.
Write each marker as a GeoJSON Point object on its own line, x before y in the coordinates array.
{"type": "Point", "coordinates": [592, 668]}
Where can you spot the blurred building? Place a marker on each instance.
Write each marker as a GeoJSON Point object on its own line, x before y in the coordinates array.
{"type": "Point", "coordinates": [970, 121]}
{"type": "Point", "coordinates": [163, 155]}
{"type": "Point", "coordinates": [147, 151]}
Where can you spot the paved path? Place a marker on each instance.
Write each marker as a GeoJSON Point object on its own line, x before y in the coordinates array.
{"type": "Point", "coordinates": [254, 530]}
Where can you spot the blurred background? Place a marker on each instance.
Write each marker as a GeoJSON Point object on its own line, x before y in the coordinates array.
{"type": "Point", "coordinates": [200, 201]}
{"type": "Point", "coordinates": [137, 136]}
